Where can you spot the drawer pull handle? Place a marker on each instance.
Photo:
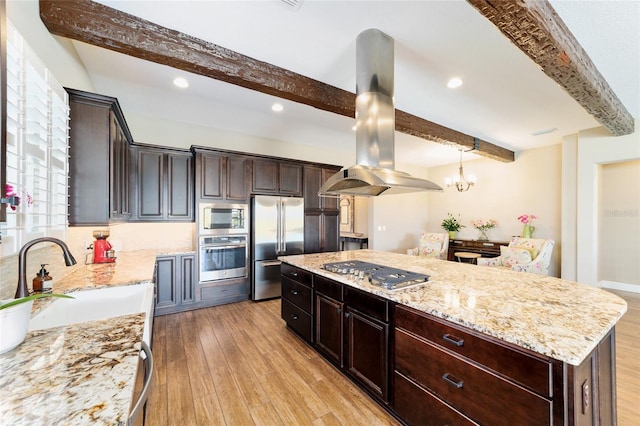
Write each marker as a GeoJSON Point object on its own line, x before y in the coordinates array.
{"type": "Point", "coordinates": [450, 379]}
{"type": "Point", "coordinates": [452, 339]}
{"type": "Point", "coordinates": [294, 292]}
{"type": "Point", "coordinates": [294, 316]}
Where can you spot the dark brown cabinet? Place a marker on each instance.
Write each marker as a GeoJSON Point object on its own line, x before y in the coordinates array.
{"type": "Point", "coordinates": [222, 177]}
{"type": "Point", "coordinates": [175, 279]}
{"type": "Point", "coordinates": [297, 300]}
{"type": "Point", "coordinates": [99, 160]}
{"type": "Point", "coordinates": [352, 331]}
{"type": "Point", "coordinates": [276, 177]}
{"type": "Point", "coordinates": [322, 217]}
{"type": "Point", "coordinates": [163, 184]}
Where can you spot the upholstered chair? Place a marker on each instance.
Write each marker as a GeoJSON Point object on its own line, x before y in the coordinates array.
{"type": "Point", "coordinates": [523, 255]}
{"type": "Point", "coordinates": [432, 244]}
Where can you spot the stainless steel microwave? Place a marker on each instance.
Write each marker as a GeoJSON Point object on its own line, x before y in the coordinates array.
{"type": "Point", "coordinates": [221, 219]}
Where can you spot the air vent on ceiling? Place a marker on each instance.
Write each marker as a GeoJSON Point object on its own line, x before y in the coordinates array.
{"type": "Point", "coordinates": [294, 4]}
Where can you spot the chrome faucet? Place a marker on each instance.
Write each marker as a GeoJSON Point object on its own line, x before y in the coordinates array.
{"type": "Point", "coordinates": [22, 289]}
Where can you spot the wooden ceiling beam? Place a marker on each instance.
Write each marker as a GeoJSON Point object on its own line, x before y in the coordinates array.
{"type": "Point", "coordinates": [102, 26]}
{"type": "Point", "coordinates": [537, 30]}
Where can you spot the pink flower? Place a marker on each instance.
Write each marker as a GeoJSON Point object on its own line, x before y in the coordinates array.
{"type": "Point", "coordinates": [527, 219]}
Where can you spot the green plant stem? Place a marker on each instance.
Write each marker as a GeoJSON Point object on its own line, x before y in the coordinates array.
{"type": "Point", "coordinates": [33, 297]}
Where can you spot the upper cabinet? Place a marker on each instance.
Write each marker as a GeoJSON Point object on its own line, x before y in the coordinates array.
{"type": "Point", "coordinates": [162, 184]}
{"type": "Point", "coordinates": [222, 176]}
{"type": "Point", "coordinates": [314, 177]}
{"type": "Point", "coordinates": [277, 177]}
{"type": "Point", "coordinates": [99, 160]}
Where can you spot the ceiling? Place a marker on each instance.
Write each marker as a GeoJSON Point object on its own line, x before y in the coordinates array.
{"type": "Point", "coordinates": [505, 99]}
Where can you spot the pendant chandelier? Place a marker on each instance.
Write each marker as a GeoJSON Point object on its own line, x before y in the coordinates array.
{"type": "Point", "coordinates": [459, 181]}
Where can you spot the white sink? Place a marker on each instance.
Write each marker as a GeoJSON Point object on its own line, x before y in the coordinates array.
{"type": "Point", "coordinates": [97, 304]}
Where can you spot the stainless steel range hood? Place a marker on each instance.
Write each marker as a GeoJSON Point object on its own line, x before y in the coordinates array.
{"type": "Point", "coordinates": [374, 173]}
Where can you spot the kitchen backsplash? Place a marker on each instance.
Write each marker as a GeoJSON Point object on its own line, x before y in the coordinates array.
{"type": "Point", "coordinates": [126, 237]}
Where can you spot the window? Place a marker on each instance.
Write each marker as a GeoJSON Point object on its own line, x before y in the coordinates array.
{"type": "Point", "coordinates": [37, 148]}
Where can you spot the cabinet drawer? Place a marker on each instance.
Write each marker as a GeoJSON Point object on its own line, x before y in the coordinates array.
{"type": "Point", "coordinates": [328, 287]}
{"type": "Point", "coordinates": [528, 370]}
{"type": "Point", "coordinates": [297, 319]}
{"type": "Point", "coordinates": [296, 274]}
{"type": "Point", "coordinates": [298, 294]}
{"type": "Point", "coordinates": [223, 291]}
{"type": "Point", "coordinates": [476, 392]}
{"type": "Point", "coordinates": [367, 304]}
{"type": "Point", "coordinates": [416, 406]}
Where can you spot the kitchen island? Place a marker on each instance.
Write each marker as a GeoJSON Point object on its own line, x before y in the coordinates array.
{"type": "Point", "coordinates": [81, 373]}
{"type": "Point", "coordinates": [468, 344]}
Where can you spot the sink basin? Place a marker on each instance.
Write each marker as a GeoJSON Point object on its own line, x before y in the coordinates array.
{"type": "Point", "coordinates": [97, 304]}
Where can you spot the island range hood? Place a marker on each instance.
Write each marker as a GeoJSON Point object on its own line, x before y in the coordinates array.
{"type": "Point", "coordinates": [374, 173]}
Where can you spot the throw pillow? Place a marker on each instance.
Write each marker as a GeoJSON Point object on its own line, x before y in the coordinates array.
{"type": "Point", "coordinates": [430, 248]}
{"type": "Point", "coordinates": [513, 256]}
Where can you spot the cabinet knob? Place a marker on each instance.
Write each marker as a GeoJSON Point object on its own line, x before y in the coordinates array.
{"type": "Point", "coordinates": [294, 274]}
{"type": "Point", "coordinates": [294, 292]}
{"type": "Point", "coordinates": [452, 339]}
{"type": "Point", "coordinates": [294, 316]}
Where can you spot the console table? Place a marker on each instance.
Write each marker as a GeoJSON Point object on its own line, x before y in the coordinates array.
{"type": "Point", "coordinates": [484, 248]}
{"type": "Point", "coordinates": [352, 238]}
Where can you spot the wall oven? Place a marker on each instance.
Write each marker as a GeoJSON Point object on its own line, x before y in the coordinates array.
{"type": "Point", "coordinates": [222, 257]}
{"type": "Point", "coordinates": [223, 219]}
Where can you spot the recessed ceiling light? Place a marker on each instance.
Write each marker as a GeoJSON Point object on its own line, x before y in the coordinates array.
{"type": "Point", "coordinates": [277, 107]}
{"type": "Point", "coordinates": [454, 82]}
{"type": "Point", "coordinates": [181, 82]}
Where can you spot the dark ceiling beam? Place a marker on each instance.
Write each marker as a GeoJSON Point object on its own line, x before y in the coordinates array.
{"type": "Point", "coordinates": [536, 29]}
{"type": "Point", "coordinates": [102, 26]}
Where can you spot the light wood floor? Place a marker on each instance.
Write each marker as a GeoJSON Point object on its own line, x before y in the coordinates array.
{"type": "Point", "coordinates": [238, 365]}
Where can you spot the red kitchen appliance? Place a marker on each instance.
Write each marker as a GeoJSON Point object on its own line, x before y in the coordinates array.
{"type": "Point", "coordinates": [102, 250]}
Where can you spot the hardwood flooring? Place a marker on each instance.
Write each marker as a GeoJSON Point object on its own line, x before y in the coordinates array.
{"type": "Point", "coordinates": [238, 365]}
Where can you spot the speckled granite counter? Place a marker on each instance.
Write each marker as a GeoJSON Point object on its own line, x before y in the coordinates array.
{"type": "Point", "coordinates": [83, 373]}
{"type": "Point", "coordinates": [557, 318]}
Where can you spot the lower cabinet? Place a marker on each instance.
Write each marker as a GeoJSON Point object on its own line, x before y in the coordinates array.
{"type": "Point", "coordinates": [175, 279]}
{"type": "Point", "coordinates": [297, 300]}
{"type": "Point", "coordinates": [352, 331]}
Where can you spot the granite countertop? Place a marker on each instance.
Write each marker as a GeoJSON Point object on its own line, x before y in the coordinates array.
{"type": "Point", "coordinates": [561, 319]}
{"type": "Point", "coordinates": [82, 373]}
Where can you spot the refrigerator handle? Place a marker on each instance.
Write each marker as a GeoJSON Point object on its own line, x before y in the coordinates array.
{"type": "Point", "coordinates": [284, 227]}
{"type": "Point", "coordinates": [279, 227]}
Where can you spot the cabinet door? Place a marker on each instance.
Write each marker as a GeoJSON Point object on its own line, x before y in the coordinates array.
{"type": "Point", "coordinates": [312, 183]}
{"type": "Point", "coordinates": [166, 289]}
{"type": "Point", "coordinates": [265, 176]}
{"type": "Point", "coordinates": [125, 172]}
{"type": "Point", "coordinates": [114, 167]}
{"type": "Point", "coordinates": [187, 278]}
{"type": "Point", "coordinates": [329, 324]}
{"type": "Point", "coordinates": [312, 232]}
{"type": "Point", "coordinates": [290, 179]}
{"type": "Point", "coordinates": [179, 187]}
{"type": "Point", "coordinates": [330, 231]}
{"type": "Point", "coordinates": [211, 169]}
{"type": "Point", "coordinates": [367, 352]}
{"type": "Point", "coordinates": [150, 166]}
{"type": "Point", "coordinates": [328, 203]}
{"type": "Point", "coordinates": [237, 181]}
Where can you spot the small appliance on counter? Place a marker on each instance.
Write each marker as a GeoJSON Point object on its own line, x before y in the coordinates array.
{"type": "Point", "coordinates": [102, 250]}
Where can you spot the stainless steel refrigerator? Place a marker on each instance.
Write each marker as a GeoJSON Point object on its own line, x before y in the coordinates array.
{"type": "Point", "coordinates": [277, 228]}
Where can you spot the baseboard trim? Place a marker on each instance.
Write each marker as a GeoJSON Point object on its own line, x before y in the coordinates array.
{"type": "Point", "coordinates": [613, 285]}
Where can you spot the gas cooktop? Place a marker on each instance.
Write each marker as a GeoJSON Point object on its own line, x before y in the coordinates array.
{"type": "Point", "coordinates": [377, 275]}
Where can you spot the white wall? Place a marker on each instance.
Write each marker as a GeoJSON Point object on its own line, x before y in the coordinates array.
{"type": "Point", "coordinates": [594, 148]}
{"type": "Point", "coordinates": [504, 191]}
{"type": "Point", "coordinates": [57, 53]}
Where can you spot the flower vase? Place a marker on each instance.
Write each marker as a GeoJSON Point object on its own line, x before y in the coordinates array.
{"type": "Point", "coordinates": [527, 231]}
{"type": "Point", "coordinates": [452, 234]}
{"type": "Point", "coordinates": [483, 235]}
